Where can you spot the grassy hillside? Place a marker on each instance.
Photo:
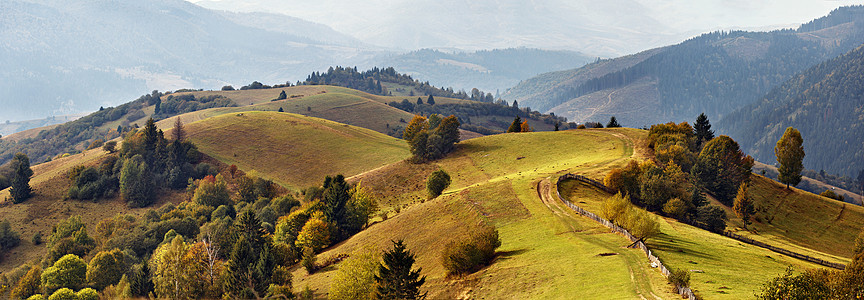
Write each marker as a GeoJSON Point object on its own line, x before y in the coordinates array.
{"type": "Point", "coordinates": [546, 253]}
{"type": "Point", "coordinates": [46, 208]}
{"type": "Point", "coordinates": [726, 268]}
{"type": "Point", "coordinates": [293, 150]}
{"type": "Point", "coordinates": [802, 221]}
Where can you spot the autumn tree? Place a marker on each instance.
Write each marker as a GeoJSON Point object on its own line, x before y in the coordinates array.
{"type": "Point", "coordinates": [524, 127]}
{"type": "Point", "coordinates": [790, 154]}
{"type": "Point", "coordinates": [170, 278]}
{"type": "Point", "coordinates": [69, 271]}
{"type": "Point", "coordinates": [433, 138]}
{"type": "Point", "coordinates": [315, 233]}
{"type": "Point", "coordinates": [30, 284]}
{"type": "Point", "coordinates": [212, 192]}
{"type": "Point", "coordinates": [743, 205]}
{"type": "Point", "coordinates": [355, 278]}
{"type": "Point", "coordinates": [395, 278]}
{"type": "Point", "coordinates": [20, 190]}
{"type": "Point", "coordinates": [106, 268]}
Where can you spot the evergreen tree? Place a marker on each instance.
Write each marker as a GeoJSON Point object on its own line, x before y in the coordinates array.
{"type": "Point", "coordinates": [516, 126]}
{"type": "Point", "coordinates": [430, 100]}
{"type": "Point", "coordinates": [419, 100]}
{"type": "Point", "coordinates": [137, 183]}
{"type": "Point", "coordinates": [612, 123]}
{"type": "Point", "coordinates": [335, 199]}
{"type": "Point", "coordinates": [141, 285]}
{"type": "Point", "coordinates": [515, 104]}
{"type": "Point", "coordinates": [158, 107]}
{"type": "Point", "coordinates": [790, 155]}
{"type": "Point", "coordinates": [20, 190]}
{"type": "Point", "coordinates": [556, 125]}
{"type": "Point", "coordinates": [702, 129]}
{"type": "Point", "coordinates": [281, 110]}
{"type": "Point", "coordinates": [743, 205]}
{"type": "Point", "coordinates": [395, 278]}
{"type": "Point", "coordinates": [178, 134]}
{"type": "Point", "coordinates": [282, 95]}
{"type": "Point", "coordinates": [151, 137]}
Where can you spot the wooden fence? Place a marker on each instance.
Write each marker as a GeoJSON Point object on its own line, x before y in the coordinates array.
{"type": "Point", "coordinates": [785, 252]}
{"type": "Point", "coordinates": [682, 290]}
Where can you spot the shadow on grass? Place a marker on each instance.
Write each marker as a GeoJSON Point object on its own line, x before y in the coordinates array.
{"type": "Point", "coordinates": [509, 254]}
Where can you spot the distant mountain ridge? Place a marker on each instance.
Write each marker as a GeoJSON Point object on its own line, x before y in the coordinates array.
{"type": "Point", "coordinates": [825, 103]}
{"type": "Point", "coordinates": [715, 73]}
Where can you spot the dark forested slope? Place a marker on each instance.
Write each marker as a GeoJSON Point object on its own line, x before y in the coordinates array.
{"type": "Point", "coordinates": [825, 103]}
{"type": "Point", "coordinates": [714, 73]}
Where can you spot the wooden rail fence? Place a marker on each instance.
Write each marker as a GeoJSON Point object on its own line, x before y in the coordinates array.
{"type": "Point", "coordinates": [682, 290]}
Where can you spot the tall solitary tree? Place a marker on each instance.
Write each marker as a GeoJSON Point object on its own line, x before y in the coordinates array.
{"type": "Point", "coordinates": [178, 133]}
{"type": "Point", "coordinates": [430, 100]}
{"type": "Point", "coordinates": [743, 205]}
{"type": "Point", "coordinates": [702, 128]}
{"type": "Point", "coordinates": [21, 178]}
{"type": "Point", "coordinates": [395, 278]}
{"type": "Point", "coordinates": [790, 155]}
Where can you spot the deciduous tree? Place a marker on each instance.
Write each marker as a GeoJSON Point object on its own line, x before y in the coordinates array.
{"type": "Point", "coordinates": [743, 205]}
{"type": "Point", "coordinates": [790, 154]}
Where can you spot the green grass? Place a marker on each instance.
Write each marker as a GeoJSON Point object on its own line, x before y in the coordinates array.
{"type": "Point", "coordinates": [732, 270]}
{"type": "Point", "coordinates": [547, 252]}
{"type": "Point", "coordinates": [802, 221]}
{"type": "Point", "coordinates": [293, 150]}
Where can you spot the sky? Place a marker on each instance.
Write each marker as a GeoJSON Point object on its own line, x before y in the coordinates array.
{"type": "Point", "coordinates": [550, 24]}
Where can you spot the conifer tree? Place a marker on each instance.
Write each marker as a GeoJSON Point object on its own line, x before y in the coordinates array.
{"type": "Point", "coordinates": [395, 278]}
{"type": "Point", "coordinates": [178, 133]}
{"type": "Point", "coordinates": [790, 155]}
{"type": "Point", "coordinates": [702, 128]}
{"type": "Point", "coordinates": [743, 205]}
{"type": "Point", "coordinates": [613, 123]}
{"type": "Point", "coordinates": [516, 126]}
{"type": "Point", "coordinates": [20, 190]}
{"type": "Point", "coordinates": [282, 95]}
{"type": "Point", "coordinates": [430, 100]}
{"type": "Point", "coordinates": [151, 137]}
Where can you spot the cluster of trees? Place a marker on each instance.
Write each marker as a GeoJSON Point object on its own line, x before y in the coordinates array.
{"type": "Point", "coordinates": [370, 82]}
{"type": "Point", "coordinates": [478, 113]}
{"type": "Point", "coordinates": [146, 163]}
{"type": "Point", "coordinates": [519, 126]}
{"type": "Point", "coordinates": [688, 161]}
{"type": "Point", "coordinates": [432, 138]}
{"type": "Point", "coordinates": [181, 104]}
{"type": "Point", "coordinates": [620, 210]}
{"type": "Point", "coordinates": [235, 237]}
{"type": "Point", "coordinates": [820, 283]}
{"type": "Point", "coordinates": [75, 136]}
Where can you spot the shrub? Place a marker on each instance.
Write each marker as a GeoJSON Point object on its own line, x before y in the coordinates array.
{"type": "Point", "coordinates": [28, 285]}
{"type": "Point", "coordinates": [462, 257]}
{"type": "Point", "coordinates": [37, 238]}
{"type": "Point", "coordinates": [355, 278]}
{"type": "Point", "coordinates": [8, 237]}
{"type": "Point", "coordinates": [308, 260]}
{"type": "Point", "coordinates": [63, 294]}
{"type": "Point", "coordinates": [679, 277]}
{"type": "Point", "coordinates": [436, 183]}
{"type": "Point", "coordinates": [675, 208]}
{"type": "Point", "coordinates": [110, 146]}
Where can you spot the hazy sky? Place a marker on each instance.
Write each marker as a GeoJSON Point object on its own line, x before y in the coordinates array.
{"type": "Point", "coordinates": [469, 24]}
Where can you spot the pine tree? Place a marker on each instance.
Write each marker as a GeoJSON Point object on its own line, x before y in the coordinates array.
{"type": "Point", "coordinates": [150, 136]}
{"type": "Point", "coordinates": [281, 110]}
{"type": "Point", "coordinates": [743, 205]}
{"type": "Point", "coordinates": [790, 155]}
{"type": "Point", "coordinates": [395, 278]}
{"type": "Point", "coordinates": [612, 123]}
{"type": "Point", "coordinates": [430, 100]}
{"type": "Point", "coordinates": [515, 104]}
{"type": "Point", "coordinates": [20, 190]}
{"type": "Point", "coordinates": [178, 133]}
{"type": "Point", "coordinates": [516, 126]}
{"type": "Point", "coordinates": [702, 128]}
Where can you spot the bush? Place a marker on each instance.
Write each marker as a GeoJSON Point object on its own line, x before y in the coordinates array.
{"type": "Point", "coordinates": [436, 183]}
{"type": "Point", "coordinates": [308, 260]}
{"type": "Point", "coordinates": [8, 238]}
{"type": "Point", "coordinates": [675, 208]}
{"type": "Point", "coordinates": [679, 278]}
{"type": "Point", "coordinates": [110, 146]}
{"type": "Point", "coordinates": [68, 272]}
{"type": "Point", "coordinates": [37, 238]}
{"type": "Point", "coordinates": [463, 257]}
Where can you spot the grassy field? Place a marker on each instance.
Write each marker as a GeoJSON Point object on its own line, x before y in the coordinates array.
{"type": "Point", "coordinates": [293, 150]}
{"type": "Point", "coordinates": [547, 253]}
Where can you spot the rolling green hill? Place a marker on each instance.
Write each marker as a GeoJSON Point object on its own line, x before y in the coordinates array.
{"type": "Point", "coordinates": [293, 150]}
